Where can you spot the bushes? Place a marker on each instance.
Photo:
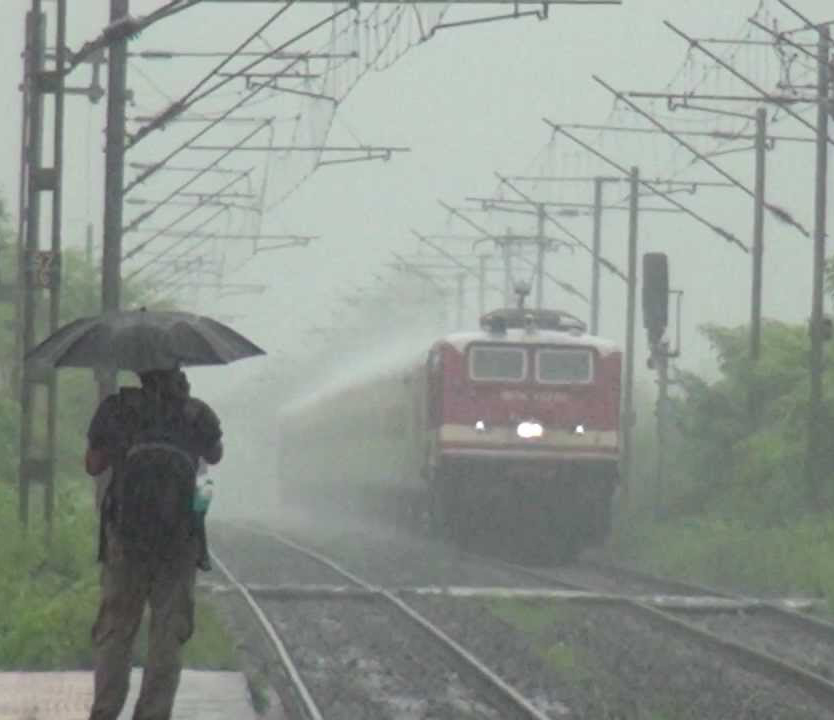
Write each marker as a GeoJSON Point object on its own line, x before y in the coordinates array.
{"type": "Point", "coordinates": [728, 461]}
{"type": "Point", "coordinates": [735, 507]}
{"type": "Point", "coordinates": [49, 595]}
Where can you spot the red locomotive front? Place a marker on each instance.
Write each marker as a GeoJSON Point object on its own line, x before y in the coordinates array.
{"type": "Point", "coordinates": [523, 421]}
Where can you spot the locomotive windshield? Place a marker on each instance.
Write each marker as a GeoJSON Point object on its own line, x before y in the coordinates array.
{"type": "Point", "coordinates": [564, 366]}
{"type": "Point", "coordinates": [506, 364]}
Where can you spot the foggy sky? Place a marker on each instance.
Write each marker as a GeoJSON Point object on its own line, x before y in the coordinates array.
{"type": "Point", "coordinates": [468, 102]}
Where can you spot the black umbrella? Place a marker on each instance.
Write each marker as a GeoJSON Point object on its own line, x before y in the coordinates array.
{"type": "Point", "coordinates": [141, 340]}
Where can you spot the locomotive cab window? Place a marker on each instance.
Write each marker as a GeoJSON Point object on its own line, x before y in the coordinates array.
{"type": "Point", "coordinates": [564, 366]}
{"type": "Point", "coordinates": [496, 363]}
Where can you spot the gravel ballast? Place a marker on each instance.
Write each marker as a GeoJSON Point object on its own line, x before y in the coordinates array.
{"type": "Point", "coordinates": [598, 661]}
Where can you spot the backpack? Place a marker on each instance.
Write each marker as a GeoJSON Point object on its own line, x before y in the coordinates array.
{"type": "Point", "coordinates": [157, 478]}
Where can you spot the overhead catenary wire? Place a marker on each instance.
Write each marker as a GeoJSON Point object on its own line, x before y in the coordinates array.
{"type": "Point", "coordinates": [780, 37]}
{"type": "Point", "coordinates": [567, 287]}
{"type": "Point", "coordinates": [467, 268]}
{"type": "Point", "coordinates": [688, 63]}
{"type": "Point", "coordinates": [208, 168]}
{"type": "Point", "coordinates": [405, 266]}
{"type": "Point", "coordinates": [729, 68]}
{"type": "Point", "coordinates": [607, 264]}
{"type": "Point", "coordinates": [187, 98]}
{"type": "Point", "coordinates": [195, 233]}
{"type": "Point", "coordinates": [718, 230]}
{"type": "Point", "coordinates": [171, 8]}
{"type": "Point", "coordinates": [388, 25]}
{"type": "Point", "coordinates": [150, 81]}
{"type": "Point", "coordinates": [204, 203]}
{"type": "Point", "coordinates": [713, 72]}
{"type": "Point", "coordinates": [174, 265]}
{"type": "Point", "coordinates": [715, 134]}
{"type": "Point", "coordinates": [126, 27]}
{"type": "Point", "coordinates": [781, 214]}
{"type": "Point", "coordinates": [175, 109]}
{"type": "Point", "coordinates": [809, 24]}
{"type": "Point", "coordinates": [195, 266]}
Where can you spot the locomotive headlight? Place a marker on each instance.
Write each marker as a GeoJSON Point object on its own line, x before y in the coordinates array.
{"type": "Point", "coordinates": [480, 426]}
{"type": "Point", "coordinates": [529, 430]}
{"type": "Point", "coordinates": [579, 429]}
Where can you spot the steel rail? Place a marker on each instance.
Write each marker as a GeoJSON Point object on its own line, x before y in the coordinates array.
{"type": "Point", "coordinates": [507, 693]}
{"type": "Point", "coordinates": [763, 663]}
{"type": "Point", "coordinates": [790, 616]}
{"type": "Point", "coordinates": [306, 698]}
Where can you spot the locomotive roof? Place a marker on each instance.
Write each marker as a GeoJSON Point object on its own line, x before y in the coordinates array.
{"type": "Point", "coordinates": [522, 336]}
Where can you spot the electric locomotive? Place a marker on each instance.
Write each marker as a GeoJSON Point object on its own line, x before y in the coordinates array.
{"type": "Point", "coordinates": [503, 439]}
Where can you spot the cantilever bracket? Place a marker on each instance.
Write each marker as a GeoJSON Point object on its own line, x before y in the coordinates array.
{"type": "Point", "coordinates": [384, 156]}
{"type": "Point", "coordinates": [297, 242]}
{"type": "Point", "coordinates": [542, 14]}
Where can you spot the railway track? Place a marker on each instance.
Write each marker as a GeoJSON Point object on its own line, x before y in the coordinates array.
{"type": "Point", "coordinates": [483, 695]}
{"type": "Point", "coordinates": [764, 636]}
{"type": "Point", "coordinates": [719, 623]}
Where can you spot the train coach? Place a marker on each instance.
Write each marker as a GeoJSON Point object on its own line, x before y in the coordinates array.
{"type": "Point", "coordinates": [503, 439]}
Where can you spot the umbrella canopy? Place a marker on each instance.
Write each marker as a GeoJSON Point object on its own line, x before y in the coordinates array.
{"type": "Point", "coordinates": [141, 340]}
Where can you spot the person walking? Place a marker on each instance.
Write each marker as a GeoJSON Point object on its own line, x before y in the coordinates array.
{"type": "Point", "coordinates": [152, 438]}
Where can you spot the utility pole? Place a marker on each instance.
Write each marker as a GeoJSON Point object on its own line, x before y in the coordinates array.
{"type": "Point", "coordinates": [628, 420]}
{"type": "Point", "coordinates": [114, 175]}
{"type": "Point", "coordinates": [541, 249]}
{"type": "Point", "coordinates": [661, 359]}
{"type": "Point", "coordinates": [758, 236]}
{"type": "Point", "coordinates": [596, 248]}
{"type": "Point", "coordinates": [35, 24]}
{"type": "Point", "coordinates": [39, 270]}
{"type": "Point", "coordinates": [29, 34]}
{"type": "Point", "coordinates": [114, 167]}
{"type": "Point", "coordinates": [460, 280]}
{"type": "Point", "coordinates": [57, 86]}
{"type": "Point", "coordinates": [90, 267]}
{"type": "Point", "coordinates": [508, 271]}
{"type": "Point", "coordinates": [482, 280]}
{"type": "Point", "coordinates": [757, 253]}
{"type": "Point", "coordinates": [814, 469]}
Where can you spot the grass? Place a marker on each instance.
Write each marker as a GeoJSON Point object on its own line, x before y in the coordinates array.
{"type": "Point", "coordinates": [728, 552]}
{"type": "Point", "coordinates": [259, 693]}
{"type": "Point", "coordinates": [576, 665]}
{"type": "Point", "coordinates": [537, 619]}
{"type": "Point", "coordinates": [210, 647]}
{"type": "Point", "coordinates": [49, 594]}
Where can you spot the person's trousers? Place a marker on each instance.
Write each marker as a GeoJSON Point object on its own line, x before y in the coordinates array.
{"type": "Point", "coordinates": [127, 585]}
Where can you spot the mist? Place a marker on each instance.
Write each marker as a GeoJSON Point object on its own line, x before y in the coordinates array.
{"type": "Point", "coordinates": [467, 103]}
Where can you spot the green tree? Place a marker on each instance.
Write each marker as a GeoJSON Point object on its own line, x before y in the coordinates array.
{"type": "Point", "coordinates": [735, 508]}
{"type": "Point", "coordinates": [723, 462]}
